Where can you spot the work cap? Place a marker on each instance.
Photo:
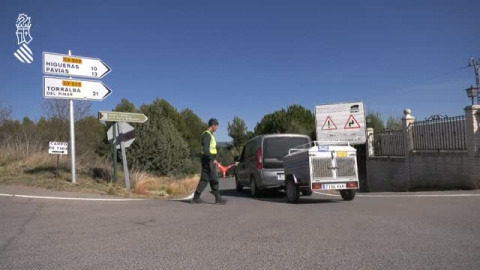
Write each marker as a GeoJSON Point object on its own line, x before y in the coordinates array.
{"type": "Point", "coordinates": [212, 122]}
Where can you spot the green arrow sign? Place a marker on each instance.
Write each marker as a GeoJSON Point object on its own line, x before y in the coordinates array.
{"type": "Point", "coordinates": [122, 117]}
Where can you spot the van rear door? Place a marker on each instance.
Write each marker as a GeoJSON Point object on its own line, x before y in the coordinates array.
{"type": "Point", "coordinates": [275, 148]}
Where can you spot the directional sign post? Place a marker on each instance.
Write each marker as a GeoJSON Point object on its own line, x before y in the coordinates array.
{"type": "Point", "coordinates": [64, 88]}
{"type": "Point", "coordinates": [75, 66]}
{"type": "Point", "coordinates": [126, 135]}
{"type": "Point", "coordinates": [121, 130]}
{"type": "Point", "coordinates": [122, 117]}
{"type": "Point", "coordinates": [114, 149]}
{"type": "Point", "coordinates": [121, 140]}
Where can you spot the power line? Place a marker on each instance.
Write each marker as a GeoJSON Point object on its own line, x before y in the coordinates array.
{"type": "Point", "coordinates": [446, 73]}
{"type": "Point", "coordinates": [411, 88]}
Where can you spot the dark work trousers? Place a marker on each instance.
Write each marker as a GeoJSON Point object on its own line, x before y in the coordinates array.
{"type": "Point", "coordinates": [209, 175]}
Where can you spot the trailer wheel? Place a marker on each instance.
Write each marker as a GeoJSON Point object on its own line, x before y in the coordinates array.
{"type": "Point", "coordinates": [348, 195]}
{"type": "Point", "coordinates": [293, 194]}
{"type": "Point", "coordinates": [238, 187]}
{"type": "Point", "coordinates": [307, 192]}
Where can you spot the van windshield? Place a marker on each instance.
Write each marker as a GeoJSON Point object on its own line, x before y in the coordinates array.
{"type": "Point", "coordinates": [274, 149]}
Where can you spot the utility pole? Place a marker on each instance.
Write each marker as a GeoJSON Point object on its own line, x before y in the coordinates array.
{"type": "Point", "coordinates": [475, 63]}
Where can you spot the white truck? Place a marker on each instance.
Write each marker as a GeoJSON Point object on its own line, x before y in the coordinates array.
{"type": "Point", "coordinates": [321, 166]}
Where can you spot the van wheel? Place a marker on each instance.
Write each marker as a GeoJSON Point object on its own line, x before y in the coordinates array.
{"type": "Point", "coordinates": [348, 195]}
{"type": "Point", "coordinates": [254, 188]}
{"type": "Point", "coordinates": [293, 194]}
{"type": "Point", "coordinates": [238, 187]}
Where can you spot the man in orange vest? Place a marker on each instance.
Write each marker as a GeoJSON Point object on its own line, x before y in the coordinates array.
{"type": "Point", "coordinates": [209, 165]}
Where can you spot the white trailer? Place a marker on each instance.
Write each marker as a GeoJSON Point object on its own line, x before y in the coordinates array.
{"type": "Point", "coordinates": [321, 166]}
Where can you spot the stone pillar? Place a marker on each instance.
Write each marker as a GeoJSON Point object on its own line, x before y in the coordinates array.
{"type": "Point", "coordinates": [370, 153]}
{"type": "Point", "coordinates": [472, 137]}
{"type": "Point", "coordinates": [407, 120]}
{"type": "Point", "coordinates": [472, 130]}
{"type": "Point", "coordinates": [370, 140]}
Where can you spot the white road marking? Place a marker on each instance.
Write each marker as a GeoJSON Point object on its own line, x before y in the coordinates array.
{"type": "Point", "coordinates": [402, 196]}
{"type": "Point", "coordinates": [420, 195]}
{"type": "Point", "coordinates": [69, 198]}
{"type": "Point", "coordinates": [326, 194]}
{"type": "Point", "coordinates": [189, 197]}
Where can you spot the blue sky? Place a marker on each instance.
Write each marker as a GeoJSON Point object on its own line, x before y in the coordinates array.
{"type": "Point", "coordinates": [250, 58]}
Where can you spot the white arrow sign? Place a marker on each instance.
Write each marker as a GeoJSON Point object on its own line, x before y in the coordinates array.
{"type": "Point", "coordinates": [74, 89]}
{"type": "Point", "coordinates": [58, 148]}
{"type": "Point", "coordinates": [75, 66]}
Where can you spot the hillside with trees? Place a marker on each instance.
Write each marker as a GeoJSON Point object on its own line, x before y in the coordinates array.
{"type": "Point", "coordinates": [167, 145]}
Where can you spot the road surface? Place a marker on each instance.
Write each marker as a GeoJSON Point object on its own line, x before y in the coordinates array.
{"type": "Point", "coordinates": [375, 231]}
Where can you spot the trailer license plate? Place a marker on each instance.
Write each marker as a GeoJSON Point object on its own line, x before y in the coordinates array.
{"type": "Point", "coordinates": [281, 176]}
{"type": "Point", "coordinates": [334, 186]}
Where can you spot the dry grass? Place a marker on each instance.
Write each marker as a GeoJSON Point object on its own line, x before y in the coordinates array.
{"type": "Point", "coordinates": [183, 186]}
{"type": "Point", "coordinates": [35, 162]}
{"type": "Point", "coordinates": [39, 169]}
{"type": "Point", "coordinates": [147, 184]}
{"type": "Point", "coordinates": [17, 149]}
{"type": "Point", "coordinates": [94, 174]}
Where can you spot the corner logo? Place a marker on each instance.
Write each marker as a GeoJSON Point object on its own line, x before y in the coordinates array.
{"type": "Point", "coordinates": [24, 54]}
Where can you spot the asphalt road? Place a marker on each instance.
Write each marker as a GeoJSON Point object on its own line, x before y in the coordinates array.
{"type": "Point", "coordinates": [322, 232]}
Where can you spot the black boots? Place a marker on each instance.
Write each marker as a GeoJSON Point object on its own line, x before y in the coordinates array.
{"type": "Point", "coordinates": [219, 199]}
{"type": "Point", "coordinates": [196, 198]}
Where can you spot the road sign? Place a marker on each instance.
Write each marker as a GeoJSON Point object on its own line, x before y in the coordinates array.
{"type": "Point", "coordinates": [123, 140]}
{"type": "Point", "coordinates": [58, 148]}
{"type": "Point", "coordinates": [75, 66]}
{"type": "Point", "coordinates": [329, 124]}
{"type": "Point", "coordinates": [125, 133]}
{"type": "Point", "coordinates": [64, 88]}
{"type": "Point", "coordinates": [352, 114]}
{"type": "Point", "coordinates": [122, 117]}
{"type": "Point", "coordinates": [352, 123]}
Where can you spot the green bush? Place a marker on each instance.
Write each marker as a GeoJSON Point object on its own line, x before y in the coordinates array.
{"type": "Point", "coordinates": [159, 148]}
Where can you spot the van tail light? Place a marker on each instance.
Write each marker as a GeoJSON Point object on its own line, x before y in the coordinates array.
{"type": "Point", "coordinates": [259, 158]}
